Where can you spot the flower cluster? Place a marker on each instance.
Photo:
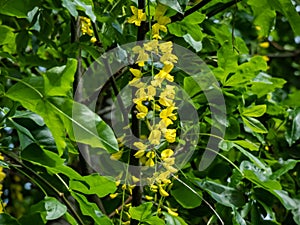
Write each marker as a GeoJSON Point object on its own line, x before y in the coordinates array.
{"type": "Point", "coordinates": [155, 96]}
{"type": "Point", "coordinates": [86, 27]}
{"type": "Point", "coordinates": [2, 176]}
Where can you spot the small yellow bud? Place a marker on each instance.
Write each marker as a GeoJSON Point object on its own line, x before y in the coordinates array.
{"type": "Point", "coordinates": [149, 198]}
{"type": "Point", "coordinates": [163, 192]}
{"type": "Point", "coordinates": [171, 212]}
{"type": "Point", "coordinates": [112, 196]}
{"type": "Point", "coordinates": [264, 44]}
{"type": "Point", "coordinates": [93, 40]}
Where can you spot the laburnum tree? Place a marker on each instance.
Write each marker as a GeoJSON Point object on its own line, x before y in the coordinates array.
{"type": "Point", "coordinates": [149, 112]}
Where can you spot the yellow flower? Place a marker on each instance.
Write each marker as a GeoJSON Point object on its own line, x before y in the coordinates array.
{"type": "Point", "coordinates": [264, 44]}
{"type": "Point", "coordinates": [172, 213]}
{"type": "Point", "coordinates": [171, 169]}
{"type": "Point", "coordinates": [152, 46]}
{"type": "Point", "coordinates": [150, 163]}
{"type": "Point", "coordinates": [138, 16]}
{"type": "Point", "coordinates": [266, 58]}
{"type": "Point", "coordinates": [167, 153]}
{"type": "Point", "coordinates": [169, 161]}
{"type": "Point", "coordinates": [139, 154]}
{"type": "Point", "coordinates": [163, 192]}
{"type": "Point", "coordinates": [85, 26]}
{"type": "Point", "coordinates": [170, 135]}
{"type": "Point", "coordinates": [117, 155]}
{"type": "Point", "coordinates": [112, 196]}
{"type": "Point", "coordinates": [140, 145]}
{"type": "Point", "coordinates": [135, 179]}
{"type": "Point", "coordinates": [150, 154]}
{"type": "Point", "coordinates": [164, 72]}
{"type": "Point", "coordinates": [149, 198]}
{"type": "Point", "coordinates": [2, 176]}
{"type": "Point", "coordinates": [143, 96]}
{"type": "Point", "coordinates": [160, 10]}
{"type": "Point", "coordinates": [167, 115]}
{"type": "Point", "coordinates": [142, 55]}
{"type": "Point", "coordinates": [93, 39]}
{"type": "Point", "coordinates": [143, 110]}
{"type": "Point", "coordinates": [137, 75]}
{"type": "Point", "coordinates": [169, 57]}
{"type": "Point", "coordinates": [164, 177]}
{"type": "Point", "coordinates": [161, 21]}
{"type": "Point", "coordinates": [153, 188]}
{"type": "Point", "coordinates": [166, 47]}
{"type": "Point", "coordinates": [154, 137]}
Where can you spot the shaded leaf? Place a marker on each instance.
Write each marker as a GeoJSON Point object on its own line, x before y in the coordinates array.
{"type": "Point", "coordinates": [6, 219]}
{"type": "Point", "coordinates": [189, 200]}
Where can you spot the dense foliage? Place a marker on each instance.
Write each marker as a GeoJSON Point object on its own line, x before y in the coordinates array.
{"type": "Point", "coordinates": [209, 119]}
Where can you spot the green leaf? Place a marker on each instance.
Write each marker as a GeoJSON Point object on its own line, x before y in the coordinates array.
{"type": "Point", "coordinates": [254, 111]}
{"type": "Point", "coordinates": [190, 199]}
{"type": "Point", "coordinates": [84, 5]}
{"type": "Point", "coordinates": [59, 80]}
{"type": "Point", "coordinates": [197, 45]}
{"type": "Point", "coordinates": [154, 220]}
{"type": "Point", "coordinates": [54, 208]}
{"type": "Point", "coordinates": [254, 124]}
{"type": "Point", "coordinates": [174, 4]}
{"type": "Point", "coordinates": [227, 58]}
{"type": "Point", "coordinates": [6, 35]}
{"type": "Point", "coordinates": [194, 18]}
{"type": "Point", "coordinates": [264, 16]}
{"type": "Point", "coordinates": [94, 184]}
{"type": "Point", "coordinates": [293, 127]}
{"type": "Point", "coordinates": [247, 71]}
{"type": "Point", "coordinates": [285, 166]}
{"type": "Point", "coordinates": [49, 160]}
{"type": "Point", "coordinates": [141, 212]}
{"type": "Point", "coordinates": [173, 220]}
{"type": "Point", "coordinates": [180, 29]}
{"type": "Point", "coordinates": [259, 177]}
{"type": "Point", "coordinates": [237, 219]}
{"type": "Point", "coordinates": [91, 209]}
{"type": "Point", "coordinates": [61, 114]}
{"type": "Point", "coordinates": [6, 219]}
{"type": "Point", "coordinates": [253, 158]}
{"type": "Point", "coordinates": [263, 84]}
{"type": "Point", "coordinates": [289, 11]}
{"type": "Point", "coordinates": [18, 8]}
{"type": "Point", "coordinates": [224, 195]}
{"type": "Point", "coordinates": [248, 144]}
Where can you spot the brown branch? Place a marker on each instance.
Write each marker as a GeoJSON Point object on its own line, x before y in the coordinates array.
{"type": "Point", "coordinates": [284, 54]}
{"type": "Point", "coordinates": [120, 207]}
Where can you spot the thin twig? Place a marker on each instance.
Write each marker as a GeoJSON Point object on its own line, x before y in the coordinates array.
{"type": "Point", "coordinates": [120, 207]}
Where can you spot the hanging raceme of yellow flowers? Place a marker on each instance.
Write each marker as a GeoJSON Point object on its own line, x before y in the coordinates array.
{"type": "Point", "coordinates": [155, 104]}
